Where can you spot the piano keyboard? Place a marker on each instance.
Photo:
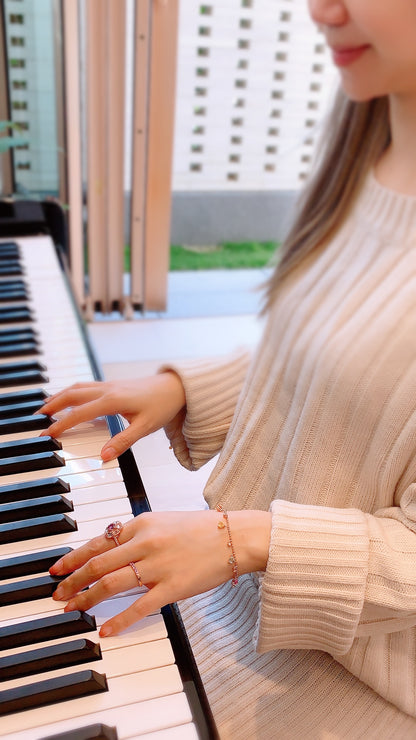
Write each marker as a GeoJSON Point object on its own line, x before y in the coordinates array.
{"type": "Point", "coordinates": [57, 678]}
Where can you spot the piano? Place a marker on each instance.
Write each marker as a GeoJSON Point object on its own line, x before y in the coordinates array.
{"type": "Point", "coordinates": [58, 679]}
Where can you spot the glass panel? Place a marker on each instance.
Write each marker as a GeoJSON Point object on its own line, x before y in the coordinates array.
{"type": "Point", "coordinates": [32, 71]}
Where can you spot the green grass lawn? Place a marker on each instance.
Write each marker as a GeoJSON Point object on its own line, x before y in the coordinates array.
{"type": "Point", "coordinates": [228, 255]}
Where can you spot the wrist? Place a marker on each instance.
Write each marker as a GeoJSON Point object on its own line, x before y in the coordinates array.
{"type": "Point", "coordinates": [251, 531]}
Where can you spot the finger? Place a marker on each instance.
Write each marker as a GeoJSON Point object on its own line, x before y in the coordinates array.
{"type": "Point", "coordinates": [122, 441]}
{"type": "Point", "coordinates": [73, 395]}
{"type": "Point", "coordinates": [86, 412]}
{"type": "Point", "coordinates": [95, 568]}
{"type": "Point", "coordinates": [100, 544]}
{"type": "Point", "coordinates": [109, 585]}
{"type": "Point", "coordinates": [149, 603]}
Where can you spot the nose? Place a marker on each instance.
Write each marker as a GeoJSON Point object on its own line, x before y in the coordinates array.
{"type": "Point", "coordinates": [328, 12]}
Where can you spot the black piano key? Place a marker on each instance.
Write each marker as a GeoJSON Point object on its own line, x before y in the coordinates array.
{"type": "Point", "coordinates": [43, 526]}
{"type": "Point", "coordinates": [33, 489]}
{"type": "Point", "coordinates": [90, 732]}
{"type": "Point", "coordinates": [31, 394]}
{"type": "Point", "coordinates": [13, 335]}
{"type": "Point", "coordinates": [9, 250]}
{"type": "Point", "coordinates": [19, 409]}
{"type": "Point", "coordinates": [25, 423]}
{"type": "Point", "coordinates": [10, 267]}
{"type": "Point", "coordinates": [9, 296]}
{"type": "Point", "coordinates": [28, 463]}
{"type": "Point", "coordinates": [31, 562]}
{"type": "Point", "coordinates": [15, 315]}
{"type": "Point", "coordinates": [22, 373]}
{"type": "Point", "coordinates": [24, 349]}
{"type": "Point", "coordinates": [9, 245]}
{"type": "Point", "coordinates": [28, 590]}
{"type": "Point", "coordinates": [51, 691]}
{"type": "Point", "coordinates": [22, 377]}
{"type": "Point", "coordinates": [49, 658]}
{"type": "Point", "coordinates": [31, 445]}
{"type": "Point", "coordinates": [13, 283]}
{"type": "Point", "coordinates": [46, 628]}
{"type": "Point", "coordinates": [33, 508]}
{"type": "Point", "coordinates": [18, 367]}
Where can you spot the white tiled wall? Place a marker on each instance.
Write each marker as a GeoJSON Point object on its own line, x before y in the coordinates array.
{"type": "Point", "coordinates": [254, 81]}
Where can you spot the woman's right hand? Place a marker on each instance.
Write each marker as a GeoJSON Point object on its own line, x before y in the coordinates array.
{"type": "Point", "coordinates": [147, 404]}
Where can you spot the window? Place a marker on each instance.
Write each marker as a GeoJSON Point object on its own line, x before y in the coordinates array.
{"type": "Point", "coordinates": [279, 75]}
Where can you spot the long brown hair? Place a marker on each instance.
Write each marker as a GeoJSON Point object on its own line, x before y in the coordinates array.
{"type": "Point", "coordinates": [356, 136]}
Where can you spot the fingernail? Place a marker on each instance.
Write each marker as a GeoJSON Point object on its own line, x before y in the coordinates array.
{"type": "Point", "coordinates": [70, 607]}
{"type": "Point", "coordinates": [108, 453]}
{"type": "Point", "coordinates": [58, 593]}
{"type": "Point", "coordinates": [56, 569]}
{"type": "Point", "coordinates": [106, 630]}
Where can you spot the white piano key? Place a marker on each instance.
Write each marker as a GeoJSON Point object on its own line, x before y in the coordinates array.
{"type": "Point", "coordinates": [85, 531]}
{"type": "Point", "coordinates": [138, 719]}
{"type": "Point", "coordinates": [149, 628]}
{"type": "Point", "coordinates": [72, 467]}
{"type": "Point", "coordinates": [122, 691]}
{"type": "Point", "coordinates": [180, 732]}
{"type": "Point", "coordinates": [121, 661]}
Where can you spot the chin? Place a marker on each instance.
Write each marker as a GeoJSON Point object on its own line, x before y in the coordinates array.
{"type": "Point", "coordinates": [360, 96]}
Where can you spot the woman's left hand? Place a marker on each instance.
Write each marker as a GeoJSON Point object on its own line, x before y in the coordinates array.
{"type": "Point", "coordinates": [176, 554]}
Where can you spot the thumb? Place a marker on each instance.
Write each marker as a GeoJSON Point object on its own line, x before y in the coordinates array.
{"type": "Point", "coordinates": [118, 444]}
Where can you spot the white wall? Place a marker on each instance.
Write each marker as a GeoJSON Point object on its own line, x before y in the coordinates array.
{"type": "Point", "coordinates": [254, 80]}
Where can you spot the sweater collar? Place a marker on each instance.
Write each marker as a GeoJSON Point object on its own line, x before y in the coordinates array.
{"type": "Point", "coordinates": [391, 214]}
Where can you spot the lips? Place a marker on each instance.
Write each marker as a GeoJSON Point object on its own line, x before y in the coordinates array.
{"type": "Point", "coordinates": [343, 56]}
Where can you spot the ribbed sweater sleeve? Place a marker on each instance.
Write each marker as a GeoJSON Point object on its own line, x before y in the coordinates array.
{"type": "Point", "coordinates": [212, 388]}
{"type": "Point", "coordinates": [335, 575]}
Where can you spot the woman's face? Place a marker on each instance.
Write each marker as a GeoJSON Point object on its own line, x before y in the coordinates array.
{"type": "Point", "coordinates": [373, 44]}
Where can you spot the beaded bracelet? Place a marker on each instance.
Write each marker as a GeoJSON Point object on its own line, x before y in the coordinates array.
{"type": "Point", "coordinates": [232, 559]}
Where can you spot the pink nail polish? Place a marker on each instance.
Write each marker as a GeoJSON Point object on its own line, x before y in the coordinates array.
{"type": "Point", "coordinates": [106, 630]}
{"type": "Point", "coordinates": [108, 453]}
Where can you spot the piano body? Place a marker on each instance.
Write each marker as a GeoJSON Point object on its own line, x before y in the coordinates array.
{"type": "Point", "coordinates": [57, 678]}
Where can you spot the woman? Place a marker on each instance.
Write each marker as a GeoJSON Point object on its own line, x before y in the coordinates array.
{"type": "Point", "coordinates": [317, 469]}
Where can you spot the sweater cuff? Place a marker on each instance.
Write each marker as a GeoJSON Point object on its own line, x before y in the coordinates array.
{"type": "Point", "coordinates": [211, 388]}
{"type": "Point", "coordinates": [313, 590]}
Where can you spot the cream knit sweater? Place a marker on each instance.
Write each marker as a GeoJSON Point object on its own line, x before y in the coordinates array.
{"type": "Point", "coordinates": [324, 435]}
